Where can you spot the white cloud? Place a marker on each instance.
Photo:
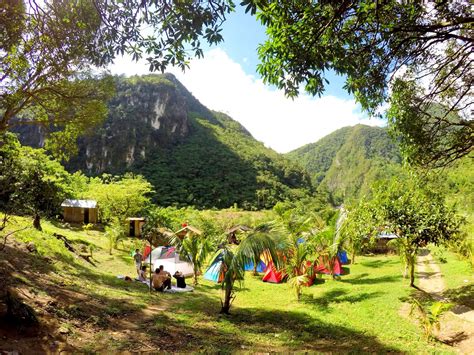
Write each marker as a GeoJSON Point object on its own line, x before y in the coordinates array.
{"type": "Point", "coordinates": [281, 123]}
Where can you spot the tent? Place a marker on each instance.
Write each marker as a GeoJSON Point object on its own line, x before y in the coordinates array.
{"type": "Point", "coordinates": [215, 271]}
{"type": "Point", "coordinates": [261, 267]}
{"type": "Point", "coordinates": [146, 252]}
{"type": "Point", "coordinates": [324, 264]}
{"type": "Point", "coordinates": [272, 275]}
{"type": "Point", "coordinates": [342, 255]}
{"type": "Point", "coordinates": [170, 259]}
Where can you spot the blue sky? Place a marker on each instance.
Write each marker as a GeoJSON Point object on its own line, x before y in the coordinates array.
{"type": "Point", "coordinates": [226, 80]}
{"type": "Point", "coordinates": [242, 35]}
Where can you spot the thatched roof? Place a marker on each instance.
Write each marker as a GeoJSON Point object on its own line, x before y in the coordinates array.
{"type": "Point", "coordinates": [188, 229]}
{"type": "Point", "coordinates": [240, 228]}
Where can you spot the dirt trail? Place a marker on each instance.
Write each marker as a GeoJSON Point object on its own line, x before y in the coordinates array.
{"type": "Point", "coordinates": [457, 325]}
{"type": "Point", "coordinates": [429, 275]}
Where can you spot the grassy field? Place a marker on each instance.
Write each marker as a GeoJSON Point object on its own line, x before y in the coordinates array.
{"type": "Point", "coordinates": [359, 313]}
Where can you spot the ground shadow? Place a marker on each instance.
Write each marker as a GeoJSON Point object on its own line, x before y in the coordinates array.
{"type": "Point", "coordinates": [364, 280]}
{"type": "Point", "coordinates": [335, 296]}
{"type": "Point", "coordinates": [304, 332]}
{"type": "Point", "coordinates": [462, 295]}
{"type": "Point", "coordinates": [376, 263]}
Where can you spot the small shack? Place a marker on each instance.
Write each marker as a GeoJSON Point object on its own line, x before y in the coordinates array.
{"type": "Point", "coordinates": [381, 243]}
{"type": "Point", "coordinates": [80, 211]}
{"type": "Point", "coordinates": [234, 231]}
{"type": "Point", "coordinates": [135, 225]}
{"type": "Point", "coordinates": [187, 229]}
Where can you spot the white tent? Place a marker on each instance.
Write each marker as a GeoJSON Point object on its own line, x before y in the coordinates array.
{"type": "Point", "coordinates": [170, 260]}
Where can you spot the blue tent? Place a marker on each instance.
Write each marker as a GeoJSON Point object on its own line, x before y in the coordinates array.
{"type": "Point", "coordinates": [215, 271]}
{"type": "Point", "coordinates": [342, 255]}
{"type": "Point", "coordinates": [260, 267]}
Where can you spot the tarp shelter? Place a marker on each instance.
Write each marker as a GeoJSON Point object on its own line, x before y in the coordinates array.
{"type": "Point", "coordinates": [272, 275]}
{"type": "Point", "coordinates": [187, 229]}
{"type": "Point", "coordinates": [169, 258]}
{"type": "Point", "coordinates": [135, 225]}
{"type": "Point", "coordinates": [80, 211]}
{"type": "Point", "coordinates": [215, 271]}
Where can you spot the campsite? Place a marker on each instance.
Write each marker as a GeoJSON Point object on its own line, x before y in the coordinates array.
{"type": "Point", "coordinates": [228, 176]}
{"type": "Point", "coordinates": [82, 305]}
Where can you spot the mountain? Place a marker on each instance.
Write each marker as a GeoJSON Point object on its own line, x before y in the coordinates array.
{"type": "Point", "coordinates": [346, 161]}
{"type": "Point", "coordinates": [191, 155]}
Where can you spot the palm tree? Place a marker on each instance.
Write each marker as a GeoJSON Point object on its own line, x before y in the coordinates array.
{"type": "Point", "coordinates": [194, 249]}
{"type": "Point", "coordinates": [236, 257]}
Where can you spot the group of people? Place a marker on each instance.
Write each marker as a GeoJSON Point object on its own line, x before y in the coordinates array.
{"type": "Point", "coordinates": [161, 279]}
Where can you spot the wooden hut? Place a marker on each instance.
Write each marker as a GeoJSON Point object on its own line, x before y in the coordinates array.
{"type": "Point", "coordinates": [80, 211]}
{"type": "Point", "coordinates": [135, 225]}
{"type": "Point", "coordinates": [187, 229]}
{"type": "Point", "coordinates": [232, 233]}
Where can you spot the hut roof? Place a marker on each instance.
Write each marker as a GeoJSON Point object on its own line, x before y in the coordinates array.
{"type": "Point", "coordinates": [240, 228]}
{"type": "Point", "coordinates": [387, 236]}
{"type": "Point", "coordinates": [79, 203]}
{"type": "Point", "coordinates": [187, 229]}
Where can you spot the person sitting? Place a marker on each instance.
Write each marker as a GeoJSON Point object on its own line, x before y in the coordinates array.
{"type": "Point", "coordinates": [142, 274]}
{"type": "Point", "coordinates": [180, 281]}
{"type": "Point", "coordinates": [160, 281]}
{"type": "Point", "coordinates": [166, 277]}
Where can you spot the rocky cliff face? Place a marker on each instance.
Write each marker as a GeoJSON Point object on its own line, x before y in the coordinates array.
{"type": "Point", "coordinates": [192, 156]}
{"type": "Point", "coordinates": [148, 113]}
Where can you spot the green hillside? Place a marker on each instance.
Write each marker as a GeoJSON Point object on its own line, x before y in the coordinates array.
{"type": "Point", "coordinates": [348, 160]}
{"type": "Point", "coordinates": [191, 155]}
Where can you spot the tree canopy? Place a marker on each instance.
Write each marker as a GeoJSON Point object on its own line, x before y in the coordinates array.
{"type": "Point", "coordinates": [48, 49]}
{"type": "Point", "coordinates": [376, 44]}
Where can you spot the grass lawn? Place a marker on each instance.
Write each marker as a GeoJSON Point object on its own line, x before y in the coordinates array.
{"type": "Point", "coordinates": [359, 313]}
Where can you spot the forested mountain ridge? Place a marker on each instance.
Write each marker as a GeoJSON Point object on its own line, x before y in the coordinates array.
{"type": "Point", "coordinates": [346, 161]}
{"type": "Point", "coordinates": [191, 155]}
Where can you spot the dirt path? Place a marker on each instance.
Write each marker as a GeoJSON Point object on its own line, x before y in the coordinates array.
{"type": "Point", "coordinates": [457, 325]}
{"type": "Point", "coordinates": [429, 275]}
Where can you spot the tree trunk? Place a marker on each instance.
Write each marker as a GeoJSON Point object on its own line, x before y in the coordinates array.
{"type": "Point", "coordinates": [255, 273]}
{"type": "Point", "coordinates": [412, 274]}
{"type": "Point", "coordinates": [196, 271]}
{"type": "Point", "coordinates": [353, 257]}
{"type": "Point", "coordinates": [227, 299]}
{"type": "Point", "coordinates": [37, 222]}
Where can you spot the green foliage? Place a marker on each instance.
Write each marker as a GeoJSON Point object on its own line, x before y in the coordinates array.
{"type": "Point", "coordinates": [368, 41]}
{"type": "Point", "coordinates": [195, 249]}
{"type": "Point", "coordinates": [413, 209]}
{"type": "Point", "coordinates": [30, 181]}
{"type": "Point", "coordinates": [114, 232]}
{"type": "Point", "coordinates": [346, 162]}
{"type": "Point", "coordinates": [428, 134]}
{"type": "Point", "coordinates": [119, 197]}
{"type": "Point", "coordinates": [235, 259]}
{"type": "Point", "coordinates": [429, 317]}
{"type": "Point", "coordinates": [191, 156]}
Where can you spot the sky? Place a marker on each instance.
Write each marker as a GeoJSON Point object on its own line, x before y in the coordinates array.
{"type": "Point", "coordinates": [226, 80]}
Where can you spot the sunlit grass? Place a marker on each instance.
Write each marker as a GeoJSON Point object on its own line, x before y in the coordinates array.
{"type": "Point", "coordinates": [360, 312]}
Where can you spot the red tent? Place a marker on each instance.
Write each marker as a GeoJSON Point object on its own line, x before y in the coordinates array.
{"type": "Point", "coordinates": [324, 266]}
{"type": "Point", "coordinates": [273, 275]}
{"type": "Point", "coordinates": [146, 252]}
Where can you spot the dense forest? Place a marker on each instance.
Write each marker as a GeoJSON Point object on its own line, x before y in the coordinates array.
{"type": "Point", "coordinates": [191, 155]}
{"type": "Point", "coordinates": [346, 162]}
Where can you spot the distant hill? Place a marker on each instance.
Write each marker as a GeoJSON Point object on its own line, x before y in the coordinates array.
{"type": "Point", "coordinates": [346, 161]}
{"type": "Point", "coordinates": [191, 155]}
